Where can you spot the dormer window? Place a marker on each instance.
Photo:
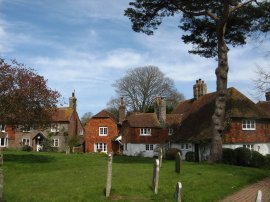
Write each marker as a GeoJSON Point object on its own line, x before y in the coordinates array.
{"type": "Point", "coordinates": [145, 131]}
{"type": "Point", "coordinates": [26, 129]}
{"type": "Point", "coordinates": [55, 128]}
{"type": "Point", "coordinates": [170, 131]}
{"type": "Point", "coordinates": [248, 124]}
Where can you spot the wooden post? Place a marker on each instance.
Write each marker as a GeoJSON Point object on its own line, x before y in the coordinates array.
{"type": "Point", "coordinates": [109, 176]}
{"type": "Point", "coordinates": [178, 162]}
{"type": "Point", "coordinates": [1, 184]}
{"type": "Point", "coordinates": [259, 196]}
{"type": "Point", "coordinates": [155, 176]}
{"type": "Point", "coordinates": [160, 156]}
{"type": "Point", "coordinates": [178, 192]}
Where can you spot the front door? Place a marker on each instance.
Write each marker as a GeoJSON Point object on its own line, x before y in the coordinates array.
{"type": "Point", "coordinates": [39, 145]}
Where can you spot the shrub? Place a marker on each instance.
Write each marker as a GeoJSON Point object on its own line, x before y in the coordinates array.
{"type": "Point", "coordinates": [26, 148]}
{"type": "Point", "coordinates": [190, 156]}
{"type": "Point", "coordinates": [242, 156]}
{"type": "Point", "coordinates": [257, 159]}
{"type": "Point", "coordinates": [267, 160]}
{"type": "Point", "coordinates": [170, 154]}
{"type": "Point", "coordinates": [228, 156]}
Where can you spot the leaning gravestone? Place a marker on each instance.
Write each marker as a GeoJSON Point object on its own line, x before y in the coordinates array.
{"type": "Point", "coordinates": [160, 156]}
{"type": "Point", "coordinates": [1, 184]}
{"type": "Point", "coordinates": [155, 176]}
{"type": "Point", "coordinates": [1, 159]}
{"type": "Point", "coordinates": [178, 192]}
{"type": "Point", "coordinates": [109, 176]}
{"type": "Point", "coordinates": [178, 162]}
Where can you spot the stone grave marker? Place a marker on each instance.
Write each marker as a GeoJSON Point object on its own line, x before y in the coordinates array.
{"type": "Point", "coordinates": [1, 184]}
{"type": "Point", "coordinates": [160, 156]}
{"type": "Point", "coordinates": [178, 192]}
{"type": "Point", "coordinates": [259, 196]}
{"type": "Point", "coordinates": [178, 162]}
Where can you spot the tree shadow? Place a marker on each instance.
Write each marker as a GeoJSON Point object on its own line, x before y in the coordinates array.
{"type": "Point", "coordinates": [27, 158]}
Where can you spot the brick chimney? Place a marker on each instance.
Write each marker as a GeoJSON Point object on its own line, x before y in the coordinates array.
{"type": "Point", "coordinates": [122, 110]}
{"type": "Point", "coordinates": [199, 89]}
{"type": "Point", "coordinates": [73, 101]}
{"type": "Point", "coordinates": [160, 110]}
{"type": "Point", "coordinates": [267, 96]}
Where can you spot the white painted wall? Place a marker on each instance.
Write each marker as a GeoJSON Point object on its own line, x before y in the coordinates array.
{"type": "Point", "coordinates": [139, 150]}
{"type": "Point", "coordinates": [263, 148]}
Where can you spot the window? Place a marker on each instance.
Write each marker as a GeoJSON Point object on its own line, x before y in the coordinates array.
{"type": "Point", "coordinates": [81, 132]}
{"type": "Point", "coordinates": [26, 129]}
{"type": "Point", "coordinates": [170, 131]}
{"type": "Point", "coordinates": [186, 146]}
{"type": "Point", "coordinates": [249, 146]}
{"type": "Point", "coordinates": [26, 141]}
{"type": "Point", "coordinates": [55, 142]}
{"type": "Point", "coordinates": [3, 142]}
{"type": "Point", "coordinates": [2, 127]}
{"type": "Point", "coordinates": [149, 147]}
{"type": "Point", "coordinates": [55, 128]}
{"type": "Point", "coordinates": [182, 146]}
{"type": "Point", "coordinates": [101, 147]}
{"type": "Point", "coordinates": [145, 131]}
{"type": "Point", "coordinates": [103, 131]}
{"type": "Point", "coordinates": [248, 125]}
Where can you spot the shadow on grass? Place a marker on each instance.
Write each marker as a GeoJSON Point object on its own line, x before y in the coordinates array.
{"type": "Point", "coordinates": [27, 158]}
{"type": "Point", "coordinates": [132, 159]}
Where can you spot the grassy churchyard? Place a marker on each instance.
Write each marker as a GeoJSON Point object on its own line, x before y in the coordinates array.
{"type": "Point", "coordinates": [31, 176]}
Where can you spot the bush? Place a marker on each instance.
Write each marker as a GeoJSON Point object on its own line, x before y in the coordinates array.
{"type": "Point", "coordinates": [228, 156]}
{"type": "Point", "coordinates": [267, 160]}
{"type": "Point", "coordinates": [242, 156]}
{"type": "Point", "coordinates": [257, 159]}
{"type": "Point", "coordinates": [26, 148]}
{"type": "Point", "coordinates": [190, 156]}
{"type": "Point", "coordinates": [170, 154]}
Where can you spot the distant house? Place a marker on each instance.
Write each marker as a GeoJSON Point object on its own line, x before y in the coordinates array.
{"type": "Point", "coordinates": [247, 125]}
{"type": "Point", "coordinates": [66, 127]}
{"type": "Point", "coordinates": [143, 133]}
{"type": "Point", "coordinates": [7, 136]}
{"type": "Point", "coordinates": [102, 132]}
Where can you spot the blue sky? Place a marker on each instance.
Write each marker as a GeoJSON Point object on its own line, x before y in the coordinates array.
{"type": "Point", "coordinates": [87, 45]}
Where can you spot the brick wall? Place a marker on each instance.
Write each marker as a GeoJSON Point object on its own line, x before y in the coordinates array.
{"type": "Point", "coordinates": [237, 135]}
{"type": "Point", "coordinates": [92, 133]}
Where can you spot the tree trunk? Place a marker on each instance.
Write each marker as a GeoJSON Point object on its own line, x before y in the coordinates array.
{"type": "Point", "coordinates": [220, 104]}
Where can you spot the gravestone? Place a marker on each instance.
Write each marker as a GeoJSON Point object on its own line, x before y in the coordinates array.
{"type": "Point", "coordinates": [259, 196]}
{"type": "Point", "coordinates": [178, 191]}
{"type": "Point", "coordinates": [178, 162]}
{"type": "Point", "coordinates": [155, 176]}
{"type": "Point", "coordinates": [67, 150]}
{"type": "Point", "coordinates": [160, 156]}
{"type": "Point", "coordinates": [109, 176]}
{"type": "Point", "coordinates": [1, 184]}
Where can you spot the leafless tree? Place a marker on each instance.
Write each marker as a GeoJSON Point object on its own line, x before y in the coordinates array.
{"type": "Point", "coordinates": [141, 85]}
{"type": "Point", "coordinates": [261, 82]}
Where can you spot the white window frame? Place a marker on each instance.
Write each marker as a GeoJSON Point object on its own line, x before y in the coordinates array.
{"type": "Point", "coordinates": [103, 131]}
{"type": "Point", "coordinates": [5, 142]}
{"type": "Point", "coordinates": [3, 128]}
{"type": "Point", "coordinates": [249, 146]}
{"type": "Point", "coordinates": [149, 147]}
{"type": "Point", "coordinates": [81, 132]}
{"type": "Point", "coordinates": [170, 131]}
{"type": "Point", "coordinates": [26, 141]}
{"type": "Point", "coordinates": [101, 147]}
{"type": "Point", "coordinates": [55, 128]}
{"type": "Point", "coordinates": [55, 142]}
{"type": "Point", "coordinates": [145, 131]}
{"type": "Point", "coordinates": [248, 124]}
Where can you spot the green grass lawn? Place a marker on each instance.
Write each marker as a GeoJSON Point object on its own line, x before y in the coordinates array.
{"type": "Point", "coordinates": [30, 176]}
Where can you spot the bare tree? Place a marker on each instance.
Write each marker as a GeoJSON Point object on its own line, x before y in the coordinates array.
{"type": "Point", "coordinates": [262, 82]}
{"type": "Point", "coordinates": [85, 118]}
{"type": "Point", "coordinates": [141, 85]}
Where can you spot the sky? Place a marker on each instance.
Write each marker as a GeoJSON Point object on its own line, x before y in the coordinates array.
{"type": "Point", "coordinates": [86, 45]}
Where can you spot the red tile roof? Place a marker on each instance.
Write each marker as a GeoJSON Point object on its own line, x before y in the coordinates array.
{"type": "Point", "coordinates": [106, 114]}
{"type": "Point", "coordinates": [146, 120]}
{"type": "Point", "coordinates": [62, 114]}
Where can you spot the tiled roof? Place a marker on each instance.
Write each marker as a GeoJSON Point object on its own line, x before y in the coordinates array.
{"type": "Point", "coordinates": [146, 120]}
{"type": "Point", "coordinates": [196, 125]}
{"type": "Point", "coordinates": [62, 114]}
{"type": "Point", "coordinates": [173, 120]}
{"type": "Point", "coordinates": [106, 114]}
{"type": "Point", "coordinates": [265, 105]}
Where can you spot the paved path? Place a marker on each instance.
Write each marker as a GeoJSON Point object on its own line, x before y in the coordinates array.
{"type": "Point", "coordinates": [249, 193]}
